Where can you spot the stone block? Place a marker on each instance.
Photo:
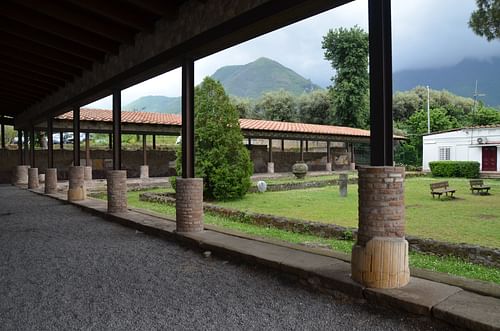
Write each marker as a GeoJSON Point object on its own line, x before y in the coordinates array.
{"type": "Point", "coordinates": [117, 191]}
{"type": "Point", "coordinates": [270, 167]}
{"type": "Point", "coordinates": [21, 175]}
{"type": "Point", "coordinates": [33, 181]}
{"type": "Point", "coordinates": [87, 175]}
{"type": "Point", "coordinates": [51, 181]}
{"type": "Point", "coordinates": [77, 190]}
{"type": "Point", "coordinates": [144, 172]}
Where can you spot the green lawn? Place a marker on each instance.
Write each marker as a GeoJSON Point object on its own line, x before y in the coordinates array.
{"type": "Point", "coordinates": [468, 218]}
{"type": "Point", "coordinates": [449, 265]}
{"type": "Point", "coordinates": [293, 179]}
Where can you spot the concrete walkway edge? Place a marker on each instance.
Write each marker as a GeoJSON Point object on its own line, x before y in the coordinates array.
{"type": "Point", "coordinates": [331, 274]}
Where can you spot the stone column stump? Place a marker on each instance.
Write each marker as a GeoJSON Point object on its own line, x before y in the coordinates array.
{"type": "Point", "coordinates": [117, 191]}
{"type": "Point", "coordinates": [21, 175]}
{"type": "Point", "coordinates": [328, 166]}
{"type": "Point", "coordinates": [51, 181]}
{"type": "Point", "coordinates": [189, 204]}
{"type": "Point", "coordinates": [33, 181]}
{"type": "Point", "coordinates": [87, 173]}
{"type": "Point", "coordinates": [77, 190]}
{"type": "Point", "coordinates": [343, 185]}
{"type": "Point", "coordinates": [270, 167]}
{"type": "Point", "coordinates": [380, 256]}
{"type": "Point", "coordinates": [144, 172]}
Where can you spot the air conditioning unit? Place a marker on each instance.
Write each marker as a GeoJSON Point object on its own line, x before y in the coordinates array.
{"type": "Point", "coordinates": [482, 140]}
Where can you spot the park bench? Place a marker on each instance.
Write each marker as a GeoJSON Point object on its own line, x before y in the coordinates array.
{"type": "Point", "coordinates": [477, 186]}
{"type": "Point", "coordinates": [441, 188]}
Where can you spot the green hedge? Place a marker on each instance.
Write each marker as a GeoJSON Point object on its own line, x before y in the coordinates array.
{"type": "Point", "coordinates": [467, 169]}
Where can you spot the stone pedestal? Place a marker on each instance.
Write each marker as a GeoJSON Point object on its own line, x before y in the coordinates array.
{"type": "Point", "coordinates": [380, 256]}
{"type": "Point", "coordinates": [87, 173]}
{"type": "Point", "coordinates": [353, 166]}
{"type": "Point", "coordinates": [117, 191]}
{"type": "Point", "coordinates": [41, 178]}
{"type": "Point", "coordinates": [189, 204]}
{"type": "Point", "coordinates": [33, 181]}
{"type": "Point", "coordinates": [77, 190]}
{"type": "Point", "coordinates": [144, 171]}
{"type": "Point", "coordinates": [328, 166]}
{"type": "Point", "coordinates": [21, 175]}
{"type": "Point", "coordinates": [270, 167]}
{"type": "Point", "coordinates": [343, 185]}
{"type": "Point", "coordinates": [51, 181]}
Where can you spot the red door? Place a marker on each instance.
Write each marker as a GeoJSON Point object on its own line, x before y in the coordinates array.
{"type": "Point", "coordinates": [490, 158]}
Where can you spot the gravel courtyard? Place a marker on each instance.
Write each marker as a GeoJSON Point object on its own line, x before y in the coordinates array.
{"type": "Point", "coordinates": [63, 269]}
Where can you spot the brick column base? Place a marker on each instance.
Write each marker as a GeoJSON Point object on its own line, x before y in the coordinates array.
{"type": "Point", "coordinates": [144, 171]}
{"type": "Point", "coordinates": [380, 256]}
{"type": "Point", "coordinates": [270, 167]}
{"type": "Point", "coordinates": [21, 175]}
{"type": "Point", "coordinates": [77, 190]}
{"type": "Point", "coordinates": [51, 181]}
{"type": "Point", "coordinates": [117, 191]}
{"type": "Point", "coordinates": [87, 173]}
{"type": "Point", "coordinates": [189, 204]}
{"type": "Point", "coordinates": [33, 181]}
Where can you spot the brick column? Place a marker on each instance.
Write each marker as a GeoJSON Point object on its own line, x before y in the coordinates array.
{"type": "Point", "coordinates": [77, 190]}
{"type": "Point", "coordinates": [51, 181]}
{"type": "Point", "coordinates": [189, 204]}
{"type": "Point", "coordinates": [87, 173]}
{"type": "Point", "coordinates": [117, 191]}
{"type": "Point", "coordinates": [21, 175]}
{"type": "Point", "coordinates": [380, 256]}
{"type": "Point", "coordinates": [144, 171]}
{"type": "Point", "coordinates": [33, 178]}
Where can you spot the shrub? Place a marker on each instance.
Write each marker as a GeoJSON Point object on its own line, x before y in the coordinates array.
{"type": "Point", "coordinates": [468, 169]}
{"type": "Point", "coordinates": [221, 159]}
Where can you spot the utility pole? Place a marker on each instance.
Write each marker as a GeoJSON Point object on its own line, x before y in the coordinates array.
{"type": "Point", "coordinates": [476, 95]}
{"type": "Point", "coordinates": [428, 110]}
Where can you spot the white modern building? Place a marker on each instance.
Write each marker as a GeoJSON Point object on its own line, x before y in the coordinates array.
{"type": "Point", "coordinates": [479, 144]}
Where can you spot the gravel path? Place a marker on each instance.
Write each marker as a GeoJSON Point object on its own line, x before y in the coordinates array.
{"type": "Point", "coordinates": [62, 269]}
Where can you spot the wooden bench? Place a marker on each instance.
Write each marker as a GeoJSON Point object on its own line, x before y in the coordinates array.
{"type": "Point", "coordinates": [441, 188]}
{"type": "Point", "coordinates": [477, 186]}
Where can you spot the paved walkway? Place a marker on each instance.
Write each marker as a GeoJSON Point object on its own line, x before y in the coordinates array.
{"type": "Point", "coordinates": [61, 269]}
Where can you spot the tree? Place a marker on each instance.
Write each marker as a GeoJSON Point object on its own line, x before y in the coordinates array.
{"type": "Point", "coordinates": [347, 50]}
{"type": "Point", "coordinates": [485, 21]}
{"type": "Point", "coordinates": [485, 116]}
{"type": "Point", "coordinates": [221, 159]}
{"type": "Point", "coordinates": [243, 106]}
{"type": "Point", "coordinates": [278, 106]}
{"type": "Point", "coordinates": [314, 107]}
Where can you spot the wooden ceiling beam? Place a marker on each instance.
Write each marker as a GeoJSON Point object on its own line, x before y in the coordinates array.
{"type": "Point", "coordinates": [118, 11]}
{"type": "Point", "coordinates": [44, 51]}
{"type": "Point", "coordinates": [28, 85]}
{"type": "Point", "coordinates": [15, 90]}
{"type": "Point", "coordinates": [61, 11]}
{"type": "Point", "coordinates": [10, 52]}
{"type": "Point", "coordinates": [168, 9]}
{"type": "Point", "coordinates": [54, 26]}
{"type": "Point", "coordinates": [29, 67]}
{"type": "Point", "coordinates": [68, 46]}
{"type": "Point", "coordinates": [31, 76]}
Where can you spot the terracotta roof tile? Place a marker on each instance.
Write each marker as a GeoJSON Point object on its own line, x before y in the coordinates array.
{"type": "Point", "coordinates": [105, 115]}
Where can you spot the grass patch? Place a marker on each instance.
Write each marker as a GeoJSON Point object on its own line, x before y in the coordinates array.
{"type": "Point", "coordinates": [472, 219]}
{"type": "Point", "coordinates": [307, 179]}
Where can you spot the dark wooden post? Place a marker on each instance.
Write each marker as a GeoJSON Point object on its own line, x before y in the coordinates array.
{"type": "Point", "coordinates": [2, 128]}
{"type": "Point", "coordinates": [270, 150]}
{"type": "Point", "coordinates": [381, 145]}
{"type": "Point", "coordinates": [307, 145]}
{"type": "Point", "coordinates": [20, 146]}
{"type": "Point", "coordinates": [117, 134]}
{"type": "Point", "coordinates": [32, 147]}
{"type": "Point", "coordinates": [87, 149]}
{"type": "Point", "coordinates": [110, 141]}
{"type": "Point", "coordinates": [301, 150]}
{"type": "Point", "coordinates": [76, 135]}
{"type": "Point", "coordinates": [154, 141]}
{"type": "Point", "coordinates": [328, 152]}
{"type": "Point", "coordinates": [188, 118]}
{"type": "Point", "coordinates": [249, 143]}
{"type": "Point", "coordinates": [50, 142]}
{"type": "Point", "coordinates": [26, 147]}
{"type": "Point", "coordinates": [61, 140]}
{"type": "Point", "coordinates": [282, 145]}
{"type": "Point", "coordinates": [144, 151]}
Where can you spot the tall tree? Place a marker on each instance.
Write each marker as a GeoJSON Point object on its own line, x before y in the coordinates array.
{"type": "Point", "coordinates": [314, 107]}
{"type": "Point", "coordinates": [347, 50]}
{"type": "Point", "coordinates": [485, 21]}
{"type": "Point", "coordinates": [221, 158]}
{"type": "Point", "coordinates": [278, 106]}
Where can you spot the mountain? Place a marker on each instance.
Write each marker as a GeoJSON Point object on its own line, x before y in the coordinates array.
{"type": "Point", "coordinates": [156, 104]}
{"type": "Point", "coordinates": [459, 79]}
{"type": "Point", "coordinates": [262, 75]}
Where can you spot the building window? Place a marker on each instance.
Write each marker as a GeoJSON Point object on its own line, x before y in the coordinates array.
{"type": "Point", "coordinates": [444, 153]}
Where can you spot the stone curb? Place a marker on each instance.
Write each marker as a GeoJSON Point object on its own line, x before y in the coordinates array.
{"type": "Point", "coordinates": [443, 302]}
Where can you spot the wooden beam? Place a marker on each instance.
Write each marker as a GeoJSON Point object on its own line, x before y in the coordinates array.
{"type": "Point", "coordinates": [76, 136]}
{"type": "Point", "coordinates": [44, 51]}
{"type": "Point", "coordinates": [71, 15]}
{"type": "Point", "coordinates": [117, 134]}
{"type": "Point", "coordinates": [28, 85]}
{"type": "Point", "coordinates": [8, 52]}
{"type": "Point", "coordinates": [68, 46]}
{"type": "Point", "coordinates": [168, 9]}
{"type": "Point", "coordinates": [188, 118]}
{"type": "Point", "coordinates": [42, 22]}
{"type": "Point", "coordinates": [32, 76]}
{"type": "Point", "coordinates": [29, 67]}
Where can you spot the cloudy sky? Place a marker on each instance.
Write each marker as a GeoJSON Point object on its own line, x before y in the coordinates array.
{"type": "Point", "coordinates": [425, 34]}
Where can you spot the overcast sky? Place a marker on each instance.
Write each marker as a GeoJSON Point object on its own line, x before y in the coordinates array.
{"type": "Point", "coordinates": [425, 34]}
